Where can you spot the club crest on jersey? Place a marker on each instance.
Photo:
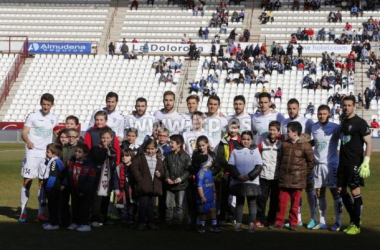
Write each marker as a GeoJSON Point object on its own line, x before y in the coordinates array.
{"type": "Point", "coordinates": [349, 127]}
{"type": "Point", "coordinates": [320, 146]}
{"type": "Point", "coordinates": [114, 120]}
{"type": "Point", "coordinates": [346, 139]}
{"type": "Point", "coordinates": [52, 122]}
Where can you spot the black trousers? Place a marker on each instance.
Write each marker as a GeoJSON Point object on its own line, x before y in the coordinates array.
{"type": "Point", "coordinates": [81, 209]}
{"type": "Point", "coordinates": [100, 208]}
{"type": "Point", "coordinates": [269, 189]}
{"type": "Point", "coordinates": [64, 207]}
{"type": "Point", "coordinates": [53, 207]}
{"type": "Point", "coordinates": [146, 209]}
{"type": "Point", "coordinates": [222, 193]}
{"type": "Point", "coordinates": [191, 201]}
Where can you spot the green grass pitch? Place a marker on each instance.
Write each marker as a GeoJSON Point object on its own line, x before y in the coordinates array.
{"type": "Point", "coordinates": [30, 235]}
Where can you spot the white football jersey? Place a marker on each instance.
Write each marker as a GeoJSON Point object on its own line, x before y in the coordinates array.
{"type": "Point", "coordinates": [190, 138]}
{"type": "Point", "coordinates": [260, 124]}
{"type": "Point", "coordinates": [306, 124]}
{"type": "Point", "coordinates": [143, 124]}
{"type": "Point", "coordinates": [326, 138]}
{"type": "Point", "coordinates": [40, 133]}
{"type": "Point", "coordinates": [244, 119]}
{"type": "Point", "coordinates": [215, 126]}
{"type": "Point", "coordinates": [174, 122]}
{"type": "Point", "coordinates": [115, 121]}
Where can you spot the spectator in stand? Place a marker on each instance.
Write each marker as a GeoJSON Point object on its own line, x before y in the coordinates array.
{"type": "Point", "coordinates": [134, 40]}
{"type": "Point", "coordinates": [150, 1]}
{"type": "Point", "coordinates": [310, 34]}
{"type": "Point", "coordinates": [360, 10]}
{"type": "Point", "coordinates": [246, 35]}
{"type": "Point", "coordinates": [193, 87]}
{"type": "Point", "coordinates": [375, 124]}
{"type": "Point", "coordinates": [310, 109]}
{"type": "Point", "coordinates": [135, 4]}
{"type": "Point", "coordinates": [338, 16]}
{"type": "Point", "coordinates": [344, 4]}
{"type": "Point", "coordinates": [111, 49]}
{"type": "Point", "coordinates": [184, 39]}
{"type": "Point", "coordinates": [233, 35]}
{"type": "Point", "coordinates": [271, 16]}
{"type": "Point", "coordinates": [289, 50]}
{"type": "Point", "coordinates": [241, 16]}
{"type": "Point", "coordinates": [332, 17]}
{"type": "Point", "coordinates": [206, 32]}
{"type": "Point", "coordinates": [354, 11]}
{"type": "Point", "coordinates": [315, 4]}
{"type": "Point", "coordinates": [277, 5]}
{"type": "Point", "coordinates": [223, 28]}
{"type": "Point", "coordinates": [332, 34]}
{"type": "Point", "coordinates": [146, 48]}
{"type": "Point", "coordinates": [368, 97]}
{"type": "Point", "coordinates": [293, 39]}
{"type": "Point", "coordinates": [348, 26]}
{"type": "Point", "coordinates": [321, 35]}
{"type": "Point", "coordinates": [200, 32]}
{"type": "Point", "coordinates": [360, 101]}
{"type": "Point", "coordinates": [299, 50]}
{"type": "Point", "coordinates": [296, 5]}
{"type": "Point", "coordinates": [278, 94]}
{"type": "Point", "coordinates": [235, 16]}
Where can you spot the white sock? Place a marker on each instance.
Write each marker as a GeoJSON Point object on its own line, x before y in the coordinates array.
{"type": "Point", "coordinates": [24, 199]}
{"type": "Point", "coordinates": [338, 209]}
{"type": "Point", "coordinates": [300, 211]}
{"type": "Point", "coordinates": [312, 200]}
{"type": "Point", "coordinates": [41, 200]}
{"type": "Point", "coordinates": [322, 209]}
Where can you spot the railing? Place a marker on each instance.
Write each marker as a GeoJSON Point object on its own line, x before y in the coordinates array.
{"type": "Point", "coordinates": [110, 26]}
{"type": "Point", "coordinates": [184, 83]}
{"type": "Point", "coordinates": [13, 72]}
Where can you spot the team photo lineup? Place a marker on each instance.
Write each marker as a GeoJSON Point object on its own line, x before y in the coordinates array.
{"type": "Point", "coordinates": [196, 170]}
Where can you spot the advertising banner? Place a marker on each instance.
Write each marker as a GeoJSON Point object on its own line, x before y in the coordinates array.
{"type": "Point", "coordinates": [166, 48]}
{"type": "Point", "coordinates": [58, 48]}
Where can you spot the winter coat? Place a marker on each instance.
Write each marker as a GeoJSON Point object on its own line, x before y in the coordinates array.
{"type": "Point", "coordinates": [145, 184]}
{"type": "Point", "coordinates": [297, 163]}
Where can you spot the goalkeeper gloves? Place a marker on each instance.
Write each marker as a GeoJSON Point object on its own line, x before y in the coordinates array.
{"type": "Point", "coordinates": [364, 171]}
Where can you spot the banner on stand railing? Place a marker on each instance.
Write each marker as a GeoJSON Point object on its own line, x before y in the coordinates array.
{"type": "Point", "coordinates": [58, 48]}
{"type": "Point", "coordinates": [166, 48]}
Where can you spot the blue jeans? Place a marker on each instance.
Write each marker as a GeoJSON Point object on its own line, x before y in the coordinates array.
{"type": "Point", "coordinates": [128, 212]}
{"type": "Point", "coordinates": [177, 197]}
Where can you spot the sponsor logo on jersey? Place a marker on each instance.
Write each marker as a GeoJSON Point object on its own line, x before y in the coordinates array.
{"type": "Point", "coordinates": [42, 132]}
{"type": "Point", "coordinates": [320, 146]}
{"type": "Point", "coordinates": [346, 139]}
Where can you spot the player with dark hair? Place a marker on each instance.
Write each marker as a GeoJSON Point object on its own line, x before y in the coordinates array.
{"type": "Point", "coordinates": [353, 166]}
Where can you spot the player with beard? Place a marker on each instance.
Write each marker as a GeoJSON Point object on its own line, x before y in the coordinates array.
{"type": "Point", "coordinates": [141, 120]}
{"type": "Point", "coordinates": [240, 114]}
{"type": "Point", "coordinates": [306, 123]}
{"type": "Point", "coordinates": [353, 167]}
{"type": "Point", "coordinates": [170, 118]}
{"type": "Point", "coordinates": [325, 136]}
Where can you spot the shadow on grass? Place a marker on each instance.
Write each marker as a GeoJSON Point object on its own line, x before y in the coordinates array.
{"type": "Point", "coordinates": [16, 235]}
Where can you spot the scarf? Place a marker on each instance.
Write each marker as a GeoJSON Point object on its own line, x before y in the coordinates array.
{"type": "Point", "coordinates": [231, 142]}
{"type": "Point", "coordinates": [105, 175]}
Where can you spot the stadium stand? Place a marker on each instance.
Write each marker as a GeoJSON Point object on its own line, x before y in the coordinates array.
{"type": "Point", "coordinates": [168, 24]}
{"type": "Point", "coordinates": [87, 79]}
{"type": "Point", "coordinates": [286, 24]}
{"type": "Point", "coordinates": [5, 62]}
{"type": "Point", "coordinates": [58, 22]}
